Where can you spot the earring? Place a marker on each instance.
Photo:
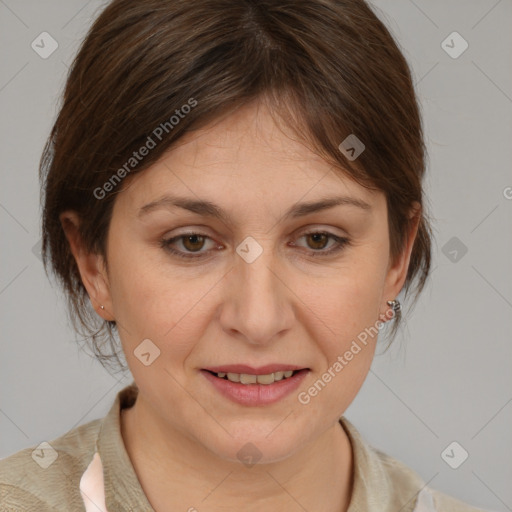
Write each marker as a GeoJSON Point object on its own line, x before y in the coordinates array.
{"type": "Point", "coordinates": [394, 305]}
{"type": "Point", "coordinates": [102, 306]}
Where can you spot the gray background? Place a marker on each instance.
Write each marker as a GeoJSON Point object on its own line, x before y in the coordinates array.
{"type": "Point", "coordinates": [447, 377]}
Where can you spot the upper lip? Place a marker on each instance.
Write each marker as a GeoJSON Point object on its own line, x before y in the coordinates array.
{"type": "Point", "coordinates": [250, 370]}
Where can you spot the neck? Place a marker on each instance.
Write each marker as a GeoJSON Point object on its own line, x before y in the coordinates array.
{"type": "Point", "coordinates": [177, 473]}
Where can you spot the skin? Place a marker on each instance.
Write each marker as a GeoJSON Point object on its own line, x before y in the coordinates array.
{"type": "Point", "coordinates": [287, 306]}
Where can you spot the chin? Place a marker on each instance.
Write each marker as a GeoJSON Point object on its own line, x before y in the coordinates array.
{"type": "Point", "coordinates": [249, 445]}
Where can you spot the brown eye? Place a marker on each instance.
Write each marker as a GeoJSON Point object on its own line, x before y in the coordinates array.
{"type": "Point", "coordinates": [319, 240]}
{"type": "Point", "coordinates": [193, 242]}
{"type": "Point", "coordinates": [187, 245]}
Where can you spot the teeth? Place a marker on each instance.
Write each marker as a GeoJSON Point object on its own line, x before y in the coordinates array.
{"type": "Point", "coordinates": [266, 379]}
{"type": "Point", "coordinates": [245, 378]}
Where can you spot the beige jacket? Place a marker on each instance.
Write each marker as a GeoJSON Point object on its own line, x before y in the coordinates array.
{"type": "Point", "coordinates": [88, 469]}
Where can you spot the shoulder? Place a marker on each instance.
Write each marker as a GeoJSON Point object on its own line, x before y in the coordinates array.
{"type": "Point", "coordinates": [445, 503]}
{"type": "Point", "coordinates": [381, 479]}
{"type": "Point", "coordinates": [426, 498]}
{"type": "Point", "coordinates": [47, 476]}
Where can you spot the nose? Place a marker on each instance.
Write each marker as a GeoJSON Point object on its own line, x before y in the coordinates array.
{"type": "Point", "coordinates": [258, 302]}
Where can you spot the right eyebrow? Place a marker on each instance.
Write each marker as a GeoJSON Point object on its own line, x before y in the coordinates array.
{"type": "Point", "coordinates": [209, 209]}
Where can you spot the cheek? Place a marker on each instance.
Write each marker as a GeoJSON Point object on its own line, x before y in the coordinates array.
{"type": "Point", "coordinates": [346, 331]}
{"type": "Point", "coordinates": [150, 302]}
{"type": "Point", "coordinates": [344, 312]}
{"type": "Point", "coordinates": [347, 301]}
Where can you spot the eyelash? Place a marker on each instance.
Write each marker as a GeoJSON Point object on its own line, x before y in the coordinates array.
{"type": "Point", "coordinates": [340, 241]}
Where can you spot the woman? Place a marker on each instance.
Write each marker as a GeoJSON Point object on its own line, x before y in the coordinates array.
{"type": "Point", "coordinates": [234, 188]}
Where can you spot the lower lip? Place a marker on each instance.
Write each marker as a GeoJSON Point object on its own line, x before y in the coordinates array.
{"type": "Point", "coordinates": [256, 394]}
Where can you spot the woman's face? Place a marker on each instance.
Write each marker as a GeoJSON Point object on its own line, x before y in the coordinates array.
{"type": "Point", "coordinates": [252, 286]}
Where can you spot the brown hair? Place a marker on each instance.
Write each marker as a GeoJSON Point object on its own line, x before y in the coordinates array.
{"type": "Point", "coordinates": [329, 67]}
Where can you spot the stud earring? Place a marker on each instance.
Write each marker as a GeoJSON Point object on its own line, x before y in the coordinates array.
{"type": "Point", "coordinates": [394, 305]}
{"type": "Point", "coordinates": [102, 306]}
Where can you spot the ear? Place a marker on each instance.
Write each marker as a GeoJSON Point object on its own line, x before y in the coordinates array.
{"type": "Point", "coordinates": [397, 271]}
{"type": "Point", "coordinates": [90, 265]}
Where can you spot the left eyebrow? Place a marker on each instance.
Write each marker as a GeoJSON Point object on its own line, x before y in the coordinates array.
{"type": "Point", "coordinates": [302, 209]}
{"type": "Point", "coordinates": [209, 209]}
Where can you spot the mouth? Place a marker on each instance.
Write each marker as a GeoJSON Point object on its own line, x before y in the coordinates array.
{"type": "Point", "coordinates": [255, 386]}
{"type": "Point", "coordinates": [248, 378]}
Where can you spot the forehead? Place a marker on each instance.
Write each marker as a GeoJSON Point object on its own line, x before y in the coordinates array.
{"type": "Point", "coordinates": [246, 156]}
{"type": "Point", "coordinates": [252, 133]}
